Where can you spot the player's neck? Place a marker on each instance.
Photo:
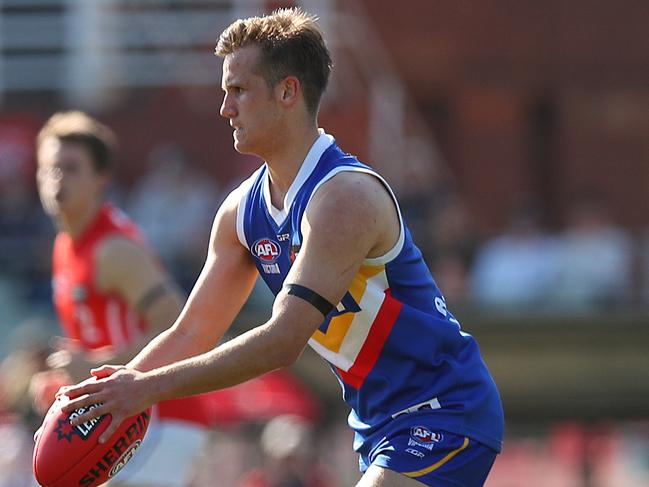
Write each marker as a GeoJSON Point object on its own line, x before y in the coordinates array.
{"type": "Point", "coordinates": [76, 223]}
{"type": "Point", "coordinates": [285, 163]}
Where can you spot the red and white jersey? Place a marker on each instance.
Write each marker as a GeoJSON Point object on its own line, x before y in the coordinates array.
{"type": "Point", "coordinates": [97, 318]}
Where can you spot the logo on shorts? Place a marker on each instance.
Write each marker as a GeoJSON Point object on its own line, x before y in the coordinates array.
{"type": "Point", "coordinates": [416, 453]}
{"type": "Point", "coordinates": [422, 436]}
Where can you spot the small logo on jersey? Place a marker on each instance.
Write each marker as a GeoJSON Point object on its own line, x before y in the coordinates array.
{"type": "Point", "coordinates": [270, 268]}
{"type": "Point", "coordinates": [423, 437]}
{"type": "Point", "coordinates": [266, 250]}
{"type": "Point", "coordinates": [79, 293]}
{"type": "Point", "coordinates": [282, 237]}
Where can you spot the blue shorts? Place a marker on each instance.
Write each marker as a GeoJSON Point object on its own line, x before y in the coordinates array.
{"type": "Point", "coordinates": [432, 457]}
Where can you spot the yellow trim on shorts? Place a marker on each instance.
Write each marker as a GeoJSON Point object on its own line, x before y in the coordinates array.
{"type": "Point", "coordinates": [434, 466]}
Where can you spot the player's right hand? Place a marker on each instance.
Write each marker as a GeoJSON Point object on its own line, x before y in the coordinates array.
{"type": "Point", "coordinates": [43, 387]}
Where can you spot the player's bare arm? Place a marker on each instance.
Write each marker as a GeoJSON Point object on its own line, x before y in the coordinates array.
{"type": "Point", "coordinates": [350, 217]}
{"type": "Point", "coordinates": [223, 286]}
{"type": "Point", "coordinates": [127, 269]}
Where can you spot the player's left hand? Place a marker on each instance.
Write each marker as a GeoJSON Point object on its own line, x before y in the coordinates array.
{"type": "Point", "coordinates": [72, 363]}
{"type": "Point", "coordinates": [43, 386]}
{"type": "Point", "coordinates": [120, 391]}
{"type": "Point", "coordinates": [70, 356]}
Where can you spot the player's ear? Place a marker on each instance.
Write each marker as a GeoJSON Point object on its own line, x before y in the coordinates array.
{"type": "Point", "coordinates": [289, 89]}
{"type": "Point", "coordinates": [104, 178]}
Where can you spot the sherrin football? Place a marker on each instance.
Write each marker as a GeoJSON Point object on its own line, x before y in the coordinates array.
{"type": "Point", "coordinates": [71, 456]}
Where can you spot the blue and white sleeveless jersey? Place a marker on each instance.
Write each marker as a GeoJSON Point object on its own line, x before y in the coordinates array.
{"type": "Point", "coordinates": [391, 341]}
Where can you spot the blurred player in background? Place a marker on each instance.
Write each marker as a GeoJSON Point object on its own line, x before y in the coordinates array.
{"type": "Point", "coordinates": [325, 233]}
{"type": "Point", "coordinates": [111, 293]}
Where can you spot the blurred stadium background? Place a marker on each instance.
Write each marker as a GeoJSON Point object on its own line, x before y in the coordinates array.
{"type": "Point", "coordinates": [516, 134]}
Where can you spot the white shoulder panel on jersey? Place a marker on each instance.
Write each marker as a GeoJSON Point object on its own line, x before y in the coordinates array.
{"type": "Point", "coordinates": [311, 160]}
{"type": "Point", "coordinates": [242, 191]}
{"type": "Point", "coordinates": [394, 251]}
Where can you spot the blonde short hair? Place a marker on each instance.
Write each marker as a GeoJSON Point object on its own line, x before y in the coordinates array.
{"type": "Point", "coordinates": [291, 44]}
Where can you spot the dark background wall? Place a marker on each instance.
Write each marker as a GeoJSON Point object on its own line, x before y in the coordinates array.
{"type": "Point", "coordinates": [531, 100]}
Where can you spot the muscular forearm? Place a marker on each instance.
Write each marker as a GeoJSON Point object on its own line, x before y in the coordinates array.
{"type": "Point", "coordinates": [169, 346]}
{"type": "Point", "coordinates": [126, 390]}
{"type": "Point", "coordinates": [249, 355]}
{"type": "Point", "coordinates": [126, 354]}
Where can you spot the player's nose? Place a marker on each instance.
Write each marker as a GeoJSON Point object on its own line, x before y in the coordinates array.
{"type": "Point", "coordinates": [227, 109]}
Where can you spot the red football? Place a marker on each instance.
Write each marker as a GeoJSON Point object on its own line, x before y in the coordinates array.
{"type": "Point", "coordinates": [71, 456]}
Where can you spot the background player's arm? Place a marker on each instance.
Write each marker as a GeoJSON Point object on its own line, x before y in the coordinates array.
{"type": "Point", "coordinates": [349, 218]}
{"type": "Point", "coordinates": [224, 285]}
{"type": "Point", "coordinates": [129, 270]}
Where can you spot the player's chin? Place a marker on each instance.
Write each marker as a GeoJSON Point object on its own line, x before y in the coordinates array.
{"type": "Point", "coordinates": [52, 207]}
{"type": "Point", "coordinates": [241, 147]}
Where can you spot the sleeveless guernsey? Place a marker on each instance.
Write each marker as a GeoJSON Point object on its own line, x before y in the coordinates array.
{"type": "Point", "coordinates": [391, 341]}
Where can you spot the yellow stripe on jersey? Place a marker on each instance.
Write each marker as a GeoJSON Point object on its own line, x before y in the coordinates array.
{"type": "Point", "coordinates": [336, 332]}
{"type": "Point", "coordinates": [339, 325]}
{"type": "Point", "coordinates": [370, 270]}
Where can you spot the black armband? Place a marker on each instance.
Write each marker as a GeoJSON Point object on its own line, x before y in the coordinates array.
{"type": "Point", "coordinates": [151, 296]}
{"type": "Point", "coordinates": [320, 303]}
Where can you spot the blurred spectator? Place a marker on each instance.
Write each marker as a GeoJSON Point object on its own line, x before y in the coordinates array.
{"type": "Point", "coordinates": [22, 224]}
{"type": "Point", "coordinates": [450, 271]}
{"type": "Point", "coordinates": [575, 454]}
{"type": "Point", "coordinates": [451, 246]}
{"type": "Point", "coordinates": [287, 444]}
{"type": "Point", "coordinates": [175, 205]}
{"type": "Point", "coordinates": [516, 269]}
{"type": "Point", "coordinates": [642, 274]}
{"type": "Point", "coordinates": [595, 258]}
{"type": "Point", "coordinates": [24, 230]}
{"type": "Point", "coordinates": [420, 187]}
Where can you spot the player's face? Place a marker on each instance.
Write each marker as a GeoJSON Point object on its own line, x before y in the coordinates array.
{"type": "Point", "coordinates": [68, 183]}
{"type": "Point", "coordinates": [250, 104]}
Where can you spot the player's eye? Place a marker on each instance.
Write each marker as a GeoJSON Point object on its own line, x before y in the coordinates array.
{"type": "Point", "coordinates": [70, 169]}
{"type": "Point", "coordinates": [53, 172]}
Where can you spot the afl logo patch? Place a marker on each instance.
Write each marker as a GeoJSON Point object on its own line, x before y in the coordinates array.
{"type": "Point", "coordinates": [79, 293]}
{"type": "Point", "coordinates": [266, 250]}
{"type": "Point", "coordinates": [424, 435]}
